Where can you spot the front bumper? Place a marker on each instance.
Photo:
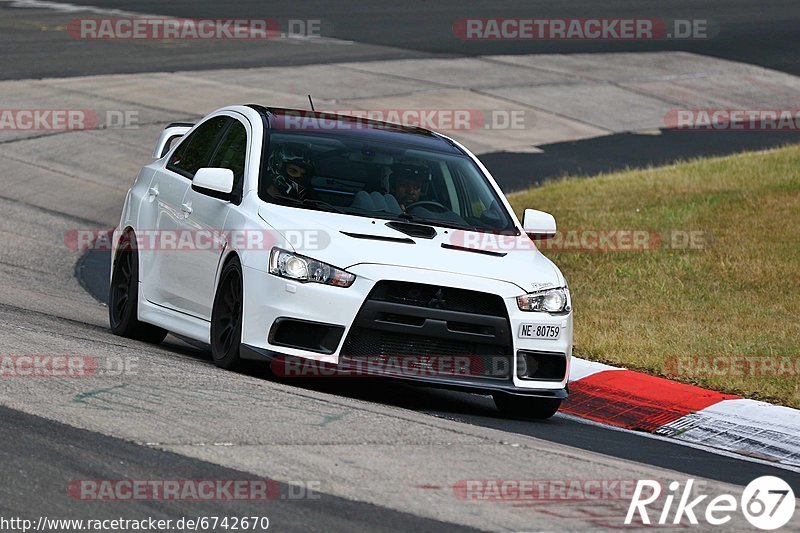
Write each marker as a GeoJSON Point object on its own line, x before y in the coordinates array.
{"type": "Point", "coordinates": [269, 299]}
{"type": "Point", "coordinates": [464, 385]}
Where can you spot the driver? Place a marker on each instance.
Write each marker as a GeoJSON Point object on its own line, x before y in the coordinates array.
{"type": "Point", "coordinates": [292, 168]}
{"type": "Point", "coordinates": [408, 181]}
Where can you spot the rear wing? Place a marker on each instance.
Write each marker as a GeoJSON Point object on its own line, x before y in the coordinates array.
{"type": "Point", "coordinates": [171, 133]}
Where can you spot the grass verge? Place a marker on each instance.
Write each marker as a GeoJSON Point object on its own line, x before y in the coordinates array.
{"type": "Point", "coordinates": [721, 311]}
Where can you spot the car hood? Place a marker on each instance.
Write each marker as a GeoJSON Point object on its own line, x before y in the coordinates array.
{"type": "Point", "coordinates": [346, 240]}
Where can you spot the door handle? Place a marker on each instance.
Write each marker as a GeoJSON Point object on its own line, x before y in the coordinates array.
{"type": "Point", "coordinates": [187, 208]}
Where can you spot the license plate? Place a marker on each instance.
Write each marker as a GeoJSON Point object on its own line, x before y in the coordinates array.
{"type": "Point", "coordinates": [539, 331]}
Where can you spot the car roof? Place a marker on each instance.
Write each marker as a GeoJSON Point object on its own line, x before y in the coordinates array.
{"type": "Point", "coordinates": [321, 122]}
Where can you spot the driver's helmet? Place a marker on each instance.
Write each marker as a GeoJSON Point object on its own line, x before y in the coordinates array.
{"type": "Point", "coordinates": [411, 170]}
{"type": "Point", "coordinates": [281, 164]}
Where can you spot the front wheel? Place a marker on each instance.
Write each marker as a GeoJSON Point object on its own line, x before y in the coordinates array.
{"type": "Point", "coordinates": [526, 407]}
{"type": "Point", "coordinates": [123, 298]}
{"type": "Point", "coordinates": [226, 317]}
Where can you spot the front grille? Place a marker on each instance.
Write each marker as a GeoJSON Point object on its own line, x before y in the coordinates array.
{"type": "Point", "coordinates": [417, 326]}
{"type": "Point", "coordinates": [365, 342]}
{"type": "Point", "coordinates": [449, 298]}
{"type": "Point", "coordinates": [439, 357]}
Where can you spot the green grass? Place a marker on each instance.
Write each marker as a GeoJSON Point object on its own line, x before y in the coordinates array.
{"type": "Point", "coordinates": [738, 296]}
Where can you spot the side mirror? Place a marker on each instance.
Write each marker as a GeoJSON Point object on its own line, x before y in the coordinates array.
{"type": "Point", "coordinates": [217, 182]}
{"type": "Point", "coordinates": [538, 224]}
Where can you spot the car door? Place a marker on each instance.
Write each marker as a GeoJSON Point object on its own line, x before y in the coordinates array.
{"type": "Point", "coordinates": [163, 242]}
{"type": "Point", "coordinates": [206, 220]}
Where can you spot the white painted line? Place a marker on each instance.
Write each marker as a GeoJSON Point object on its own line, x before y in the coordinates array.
{"type": "Point", "coordinates": [581, 368]}
{"type": "Point", "coordinates": [66, 7]}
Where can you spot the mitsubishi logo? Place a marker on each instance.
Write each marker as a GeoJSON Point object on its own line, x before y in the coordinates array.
{"type": "Point", "coordinates": [438, 300]}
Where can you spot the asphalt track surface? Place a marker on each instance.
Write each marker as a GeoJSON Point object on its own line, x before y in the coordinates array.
{"type": "Point", "coordinates": [763, 33]}
{"type": "Point", "coordinates": [43, 455]}
{"type": "Point", "coordinates": [46, 455]}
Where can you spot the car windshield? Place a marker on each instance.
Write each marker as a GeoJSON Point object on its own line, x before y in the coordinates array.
{"type": "Point", "coordinates": [358, 176]}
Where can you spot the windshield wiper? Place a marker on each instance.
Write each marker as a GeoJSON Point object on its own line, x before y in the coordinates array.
{"type": "Point", "coordinates": [309, 202]}
{"type": "Point", "coordinates": [436, 222]}
{"type": "Point", "coordinates": [322, 205]}
{"type": "Point", "coordinates": [452, 225]}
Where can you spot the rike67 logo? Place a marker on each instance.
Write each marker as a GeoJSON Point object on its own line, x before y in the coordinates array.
{"type": "Point", "coordinates": [767, 503]}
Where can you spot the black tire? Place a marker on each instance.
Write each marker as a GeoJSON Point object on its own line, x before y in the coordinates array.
{"type": "Point", "coordinates": [123, 298]}
{"type": "Point", "coordinates": [226, 317]}
{"type": "Point", "coordinates": [526, 407]}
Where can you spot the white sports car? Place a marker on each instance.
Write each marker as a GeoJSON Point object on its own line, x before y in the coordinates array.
{"type": "Point", "coordinates": [364, 247]}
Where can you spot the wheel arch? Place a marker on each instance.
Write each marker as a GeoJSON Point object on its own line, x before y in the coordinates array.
{"type": "Point", "coordinates": [229, 255]}
{"type": "Point", "coordinates": [116, 240]}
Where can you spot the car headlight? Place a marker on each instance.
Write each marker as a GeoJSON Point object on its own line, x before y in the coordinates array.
{"type": "Point", "coordinates": [300, 268]}
{"type": "Point", "coordinates": [548, 301]}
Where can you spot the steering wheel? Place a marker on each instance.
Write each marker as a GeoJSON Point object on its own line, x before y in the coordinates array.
{"type": "Point", "coordinates": [438, 208]}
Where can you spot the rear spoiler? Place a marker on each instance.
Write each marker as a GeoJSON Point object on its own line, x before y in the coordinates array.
{"type": "Point", "coordinates": [171, 132]}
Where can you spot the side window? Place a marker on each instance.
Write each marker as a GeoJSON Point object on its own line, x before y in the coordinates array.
{"type": "Point", "coordinates": [195, 152]}
{"type": "Point", "coordinates": [231, 152]}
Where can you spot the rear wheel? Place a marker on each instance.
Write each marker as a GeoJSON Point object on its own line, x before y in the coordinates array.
{"type": "Point", "coordinates": [123, 297]}
{"type": "Point", "coordinates": [226, 317]}
{"type": "Point", "coordinates": [526, 407]}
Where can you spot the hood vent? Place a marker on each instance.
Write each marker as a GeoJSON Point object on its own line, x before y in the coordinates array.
{"type": "Point", "coordinates": [473, 250]}
{"type": "Point", "coordinates": [401, 240]}
{"type": "Point", "coordinates": [415, 230]}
